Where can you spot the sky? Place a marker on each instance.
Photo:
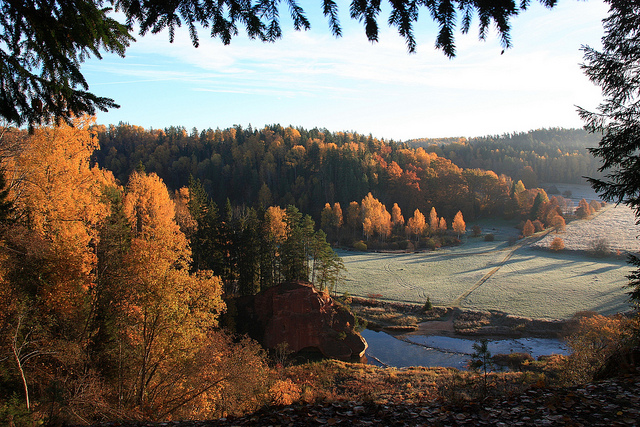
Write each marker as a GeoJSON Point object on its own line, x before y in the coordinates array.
{"type": "Point", "coordinates": [311, 79]}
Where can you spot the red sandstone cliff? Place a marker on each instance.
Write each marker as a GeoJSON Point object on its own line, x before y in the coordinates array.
{"type": "Point", "coordinates": [296, 314]}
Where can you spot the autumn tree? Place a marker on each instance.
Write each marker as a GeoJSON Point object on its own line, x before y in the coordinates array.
{"type": "Point", "coordinates": [416, 224]}
{"type": "Point", "coordinates": [396, 217]}
{"type": "Point", "coordinates": [58, 198]}
{"type": "Point", "coordinates": [558, 223]}
{"type": "Point", "coordinates": [442, 225]}
{"type": "Point", "coordinates": [274, 233]}
{"type": "Point", "coordinates": [433, 221]}
{"type": "Point", "coordinates": [557, 244]}
{"type": "Point", "coordinates": [375, 217]}
{"type": "Point", "coordinates": [353, 216]}
{"type": "Point", "coordinates": [528, 229]}
{"type": "Point", "coordinates": [49, 262]}
{"type": "Point", "coordinates": [168, 311]}
{"type": "Point", "coordinates": [458, 224]}
{"type": "Point", "coordinates": [583, 210]}
{"type": "Point", "coordinates": [338, 218]}
{"type": "Point", "coordinates": [331, 219]}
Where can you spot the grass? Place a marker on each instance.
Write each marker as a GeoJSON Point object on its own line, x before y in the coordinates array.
{"type": "Point", "coordinates": [413, 277]}
{"type": "Point", "coordinates": [580, 234]}
{"type": "Point", "coordinates": [534, 282]}
{"type": "Point", "coordinates": [542, 284]}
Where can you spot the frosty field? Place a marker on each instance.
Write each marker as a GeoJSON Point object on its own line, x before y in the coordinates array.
{"type": "Point", "coordinates": [524, 280]}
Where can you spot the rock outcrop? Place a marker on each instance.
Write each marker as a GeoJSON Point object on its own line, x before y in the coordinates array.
{"type": "Point", "coordinates": [303, 318]}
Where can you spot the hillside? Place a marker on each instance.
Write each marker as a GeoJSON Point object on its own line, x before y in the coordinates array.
{"type": "Point", "coordinates": [400, 400]}
{"type": "Point", "coordinates": [308, 168]}
{"type": "Point", "coordinates": [537, 156]}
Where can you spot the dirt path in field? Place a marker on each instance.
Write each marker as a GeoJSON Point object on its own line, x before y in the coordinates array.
{"type": "Point", "coordinates": [525, 242]}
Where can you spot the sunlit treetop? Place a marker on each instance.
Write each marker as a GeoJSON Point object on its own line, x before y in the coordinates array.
{"type": "Point", "coordinates": [43, 42]}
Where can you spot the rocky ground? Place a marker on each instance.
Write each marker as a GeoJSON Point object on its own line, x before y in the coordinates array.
{"type": "Point", "coordinates": [612, 402]}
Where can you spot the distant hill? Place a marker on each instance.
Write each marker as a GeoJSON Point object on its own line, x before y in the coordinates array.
{"type": "Point", "coordinates": [553, 155]}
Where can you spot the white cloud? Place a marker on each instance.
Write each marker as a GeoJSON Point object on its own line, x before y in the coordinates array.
{"type": "Point", "coordinates": [377, 87]}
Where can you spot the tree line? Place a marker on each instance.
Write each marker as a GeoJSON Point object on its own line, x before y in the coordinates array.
{"type": "Point", "coordinates": [306, 168]}
{"type": "Point", "coordinates": [537, 156]}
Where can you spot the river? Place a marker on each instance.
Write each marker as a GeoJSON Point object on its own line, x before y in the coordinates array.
{"type": "Point", "coordinates": [433, 350]}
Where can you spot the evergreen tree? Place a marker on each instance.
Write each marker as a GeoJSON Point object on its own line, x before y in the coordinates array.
{"type": "Point", "coordinates": [6, 207]}
{"type": "Point", "coordinates": [206, 242]}
{"type": "Point", "coordinates": [249, 253]}
{"type": "Point", "coordinates": [44, 43]}
{"type": "Point", "coordinates": [615, 70]}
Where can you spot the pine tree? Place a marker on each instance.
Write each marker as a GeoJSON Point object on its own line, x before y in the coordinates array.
{"type": "Point", "coordinates": [615, 70]}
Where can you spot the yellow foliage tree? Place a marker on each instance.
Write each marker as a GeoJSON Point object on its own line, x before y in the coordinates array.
{"type": "Point", "coordinates": [58, 193]}
{"type": "Point", "coordinates": [168, 312]}
{"type": "Point", "coordinates": [376, 216]}
{"type": "Point", "coordinates": [417, 224]}
{"type": "Point", "coordinates": [433, 221]}
{"type": "Point", "coordinates": [458, 224]}
{"type": "Point", "coordinates": [396, 217]}
{"type": "Point", "coordinates": [442, 225]}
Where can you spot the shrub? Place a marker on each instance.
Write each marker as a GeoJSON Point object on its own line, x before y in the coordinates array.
{"type": "Point", "coordinates": [557, 244]}
{"type": "Point", "coordinates": [284, 392]}
{"type": "Point", "coordinates": [595, 206]}
{"type": "Point", "coordinates": [432, 243]}
{"type": "Point", "coordinates": [599, 247]}
{"type": "Point", "coordinates": [489, 237]}
{"type": "Point", "coordinates": [427, 305]}
{"type": "Point", "coordinates": [450, 241]}
{"type": "Point", "coordinates": [592, 339]}
{"type": "Point", "coordinates": [360, 246]}
{"type": "Point", "coordinates": [584, 210]}
{"type": "Point", "coordinates": [514, 361]}
{"type": "Point", "coordinates": [404, 244]}
{"type": "Point", "coordinates": [476, 231]}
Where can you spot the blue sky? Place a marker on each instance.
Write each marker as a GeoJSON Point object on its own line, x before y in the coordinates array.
{"type": "Point", "coordinates": [311, 79]}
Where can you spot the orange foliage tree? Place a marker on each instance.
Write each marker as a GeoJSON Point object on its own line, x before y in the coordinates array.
{"type": "Point", "coordinates": [416, 224]}
{"type": "Point", "coordinates": [528, 229]}
{"type": "Point", "coordinates": [433, 221]}
{"type": "Point", "coordinates": [167, 312]}
{"type": "Point", "coordinates": [557, 244]}
{"type": "Point", "coordinates": [458, 224]}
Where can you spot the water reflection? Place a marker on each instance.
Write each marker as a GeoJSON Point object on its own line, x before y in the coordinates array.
{"type": "Point", "coordinates": [432, 351]}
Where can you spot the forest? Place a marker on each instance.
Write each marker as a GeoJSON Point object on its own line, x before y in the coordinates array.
{"type": "Point", "coordinates": [308, 168]}
{"type": "Point", "coordinates": [538, 156]}
{"type": "Point", "coordinates": [121, 248]}
{"type": "Point", "coordinates": [106, 312]}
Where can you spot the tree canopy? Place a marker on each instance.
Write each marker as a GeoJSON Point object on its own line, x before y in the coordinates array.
{"type": "Point", "coordinates": [43, 43]}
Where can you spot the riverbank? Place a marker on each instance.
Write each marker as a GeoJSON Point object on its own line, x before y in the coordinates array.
{"type": "Point", "coordinates": [412, 319]}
